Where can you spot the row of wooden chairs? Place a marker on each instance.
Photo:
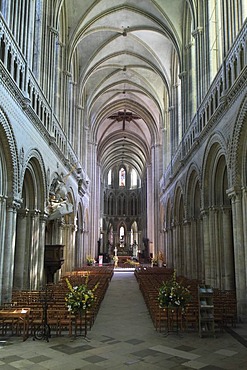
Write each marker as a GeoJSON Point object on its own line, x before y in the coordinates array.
{"type": "Point", "coordinates": [150, 280]}
{"type": "Point", "coordinates": [225, 308]}
{"type": "Point", "coordinates": [51, 302]}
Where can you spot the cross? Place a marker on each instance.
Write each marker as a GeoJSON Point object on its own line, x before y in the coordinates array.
{"type": "Point", "coordinates": [124, 116]}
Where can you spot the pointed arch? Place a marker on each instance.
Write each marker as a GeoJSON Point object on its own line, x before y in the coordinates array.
{"type": "Point", "coordinates": [30, 225]}
{"type": "Point", "coordinates": [217, 219]}
{"type": "Point", "coordinates": [193, 227]}
{"type": "Point", "coordinates": [179, 215]}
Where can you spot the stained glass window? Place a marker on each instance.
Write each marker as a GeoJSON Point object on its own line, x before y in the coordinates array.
{"type": "Point", "coordinates": [122, 175]}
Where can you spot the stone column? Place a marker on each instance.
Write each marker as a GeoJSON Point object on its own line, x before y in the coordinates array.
{"type": "Point", "coordinates": [213, 247]}
{"type": "Point", "coordinates": [76, 257]}
{"type": "Point", "coordinates": [197, 250]}
{"type": "Point", "coordinates": [228, 253]}
{"type": "Point", "coordinates": [188, 255]}
{"type": "Point", "coordinates": [232, 73]}
{"type": "Point", "coordinates": [34, 249]}
{"type": "Point", "coordinates": [83, 254]}
{"type": "Point", "coordinates": [239, 250]}
{"type": "Point", "coordinates": [216, 249]}
{"type": "Point", "coordinates": [243, 10]}
{"type": "Point", "coordinates": [9, 250]}
{"type": "Point", "coordinates": [238, 65]}
{"type": "Point", "coordinates": [169, 247]}
{"type": "Point", "coordinates": [78, 244]}
{"type": "Point", "coordinates": [206, 242]}
{"type": "Point", "coordinates": [150, 206]}
{"type": "Point", "coordinates": [180, 248]}
{"type": "Point", "coordinates": [52, 37]}
{"type": "Point", "coordinates": [172, 130]}
{"type": "Point", "coordinates": [86, 244]}
{"type": "Point", "coordinates": [175, 246]}
{"type": "Point", "coordinates": [153, 205]}
{"type": "Point", "coordinates": [3, 201]}
{"type": "Point", "coordinates": [79, 131]}
{"type": "Point", "coordinates": [94, 212]}
{"type": "Point", "coordinates": [64, 110]}
{"type": "Point", "coordinates": [7, 48]}
{"type": "Point", "coordinates": [184, 100]}
{"type": "Point", "coordinates": [200, 55]}
{"type": "Point", "coordinates": [128, 239]}
{"type": "Point", "coordinates": [57, 231]}
{"type": "Point", "coordinates": [69, 247]}
{"type": "Point", "coordinates": [41, 250]}
{"type": "Point", "coordinates": [21, 263]}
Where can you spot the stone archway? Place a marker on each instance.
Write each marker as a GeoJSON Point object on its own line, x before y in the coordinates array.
{"type": "Point", "coordinates": [10, 201]}
{"type": "Point", "coordinates": [30, 228]}
{"type": "Point", "coordinates": [217, 219]}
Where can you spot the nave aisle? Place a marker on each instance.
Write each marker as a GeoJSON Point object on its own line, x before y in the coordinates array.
{"type": "Point", "coordinates": [123, 337]}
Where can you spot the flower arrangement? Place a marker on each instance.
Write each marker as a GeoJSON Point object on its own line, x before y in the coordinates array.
{"type": "Point", "coordinates": [160, 256]}
{"type": "Point", "coordinates": [79, 298]}
{"type": "Point", "coordinates": [90, 260]}
{"type": "Point", "coordinates": [153, 261]}
{"type": "Point", "coordinates": [131, 262]}
{"type": "Point", "coordinates": [115, 260]}
{"type": "Point", "coordinates": [173, 294]}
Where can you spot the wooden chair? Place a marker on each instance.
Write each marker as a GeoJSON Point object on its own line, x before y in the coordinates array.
{"type": "Point", "coordinates": [53, 316]}
{"type": "Point", "coordinates": [35, 319]}
{"type": "Point", "coordinates": [64, 321]}
{"type": "Point", "coordinates": [191, 316]}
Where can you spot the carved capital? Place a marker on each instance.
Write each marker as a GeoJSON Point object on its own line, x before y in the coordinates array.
{"type": "Point", "coordinates": [197, 32]}
{"type": "Point", "coordinates": [54, 31]}
{"type": "Point", "coordinates": [14, 203]}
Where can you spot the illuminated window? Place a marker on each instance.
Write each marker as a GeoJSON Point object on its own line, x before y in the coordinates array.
{"type": "Point", "coordinates": [122, 175]}
{"type": "Point", "coordinates": [121, 235]}
{"type": "Point", "coordinates": [133, 178]}
{"type": "Point", "coordinates": [109, 177]}
{"type": "Point", "coordinates": [111, 235]}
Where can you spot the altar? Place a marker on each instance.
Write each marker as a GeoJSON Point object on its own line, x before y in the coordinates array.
{"type": "Point", "coordinates": [123, 259]}
{"type": "Point", "coordinates": [122, 256]}
{"type": "Point", "coordinates": [124, 251]}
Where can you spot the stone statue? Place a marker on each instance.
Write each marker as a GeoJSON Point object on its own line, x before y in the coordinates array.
{"type": "Point", "coordinates": [58, 203]}
{"type": "Point", "coordinates": [58, 188]}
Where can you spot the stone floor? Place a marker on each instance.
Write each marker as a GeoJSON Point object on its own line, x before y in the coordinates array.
{"type": "Point", "coordinates": [123, 337]}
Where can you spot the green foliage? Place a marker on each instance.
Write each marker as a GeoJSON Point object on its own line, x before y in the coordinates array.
{"type": "Point", "coordinates": [90, 260]}
{"type": "Point", "coordinates": [79, 297]}
{"type": "Point", "coordinates": [173, 294]}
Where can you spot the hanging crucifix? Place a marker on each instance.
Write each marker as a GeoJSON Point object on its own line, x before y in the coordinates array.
{"type": "Point", "coordinates": [124, 116]}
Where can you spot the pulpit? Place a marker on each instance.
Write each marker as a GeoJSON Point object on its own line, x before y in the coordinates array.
{"type": "Point", "coordinates": [53, 260]}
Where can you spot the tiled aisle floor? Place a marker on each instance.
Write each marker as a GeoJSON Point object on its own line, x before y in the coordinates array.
{"type": "Point", "coordinates": [123, 337]}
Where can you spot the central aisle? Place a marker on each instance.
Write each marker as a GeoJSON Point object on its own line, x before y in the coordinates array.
{"type": "Point", "coordinates": [123, 312]}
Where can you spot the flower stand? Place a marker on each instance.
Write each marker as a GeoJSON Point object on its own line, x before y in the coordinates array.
{"type": "Point", "coordinates": [174, 320]}
{"type": "Point", "coordinates": [80, 322]}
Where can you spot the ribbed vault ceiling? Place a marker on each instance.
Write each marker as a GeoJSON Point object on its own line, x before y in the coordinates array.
{"type": "Point", "coordinates": [125, 50]}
